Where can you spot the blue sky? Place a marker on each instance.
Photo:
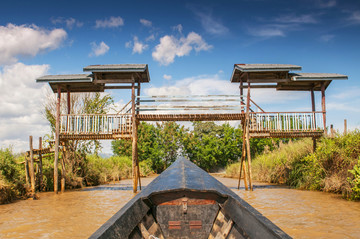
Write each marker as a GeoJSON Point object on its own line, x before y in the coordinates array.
{"type": "Point", "coordinates": [190, 46]}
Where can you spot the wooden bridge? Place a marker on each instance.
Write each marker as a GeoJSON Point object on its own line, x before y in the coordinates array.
{"type": "Point", "coordinates": [256, 123]}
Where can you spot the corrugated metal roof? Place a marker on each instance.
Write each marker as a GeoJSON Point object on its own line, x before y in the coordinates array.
{"type": "Point", "coordinates": [266, 67]}
{"type": "Point", "coordinates": [66, 78]}
{"type": "Point", "coordinates": [117, 68]}
{"type": "Point", "coordinates": [317, 76]}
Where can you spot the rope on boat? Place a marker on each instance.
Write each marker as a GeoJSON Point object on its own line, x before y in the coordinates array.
{"type": "Point", "coordinates": [153, 237]}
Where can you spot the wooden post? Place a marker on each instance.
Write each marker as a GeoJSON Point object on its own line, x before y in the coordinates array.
{"type": "Point", "coordinates": [248, 135]}
{"type": "Point", "coordinates": [323, 106]}
{"type": "Point", "coordinates": [345, 126]}
{"type": "Point", "coordinates": [68, 101]}
{"type": "Point", "coordinates": [27, 175]}
{"type": "Point", "coordinates": [313, 110]}
{"type": "Point", "coordinates": [63, 169]}
{"type": "Point", "coordinates": [31, 169]}
{"type": "Point", "coordinates": [332, 132]}
{"type": "Point", "coordinates": [137, 124]}
{"type": "Point", "coordinates": [40, 166]}
{"type": "Point", "coordinates": [134, 139]}
{"type": "Point", "coordinates": [242, 161]}
{"type": "Point", "coordinates": [57, 139]}
{"type": "Point", "coordinates": [241, 96]}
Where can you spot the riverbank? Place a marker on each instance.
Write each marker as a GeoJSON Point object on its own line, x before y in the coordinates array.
{"type": "Point", "coordinates": [334, 166]}
{"type": "Point", "coordinates": [90, 170]}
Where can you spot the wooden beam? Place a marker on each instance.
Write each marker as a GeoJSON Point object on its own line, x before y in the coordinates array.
{"type": "Point", "coordinates": [259, 86]}
{"type": "Point", "coordinates": [57, 139]}
{"type": "Point", "coordinates": [119, 87]}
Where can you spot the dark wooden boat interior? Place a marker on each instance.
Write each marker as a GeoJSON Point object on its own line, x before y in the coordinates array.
{"type": "Point", "coordinates": [186, 202]}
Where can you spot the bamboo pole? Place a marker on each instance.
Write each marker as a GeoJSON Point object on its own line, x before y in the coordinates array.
{"type": "Point", "coordinates": [134, 139]}
{"type": "Point", "coordinates": [345, 126]}
{"type": "Point", "coordinates": [40, 166]}
{"type": "Point", "coordinates": [31, 169]}
{"type": "Point", "coordinates": [247, 125]}
{"type": "Point", "coordinates": [57, 139]}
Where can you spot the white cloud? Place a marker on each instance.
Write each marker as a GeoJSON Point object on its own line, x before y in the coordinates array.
{"type": "Point", "coordinates": [150, 38]}
{"type": "Point", "coordinates": [136, 45]}
{"type": "Point", "coordinates": [21, 105]}
{"type": "Point", "coordinates": [305, 18]}
{"type": "Point", "coordinates": [178, 28]}
{"type": "Point", "coordinates": [326, 3]}
{"type": "Point", "coordinates": [111, 22]}
{"type": "Point", "coordinates": [267, 31]}
{"type": "Point", "coordinates": [355, 17]}
{"type": "Point", "coordinates": [139, 47]}
{"type": "Point", "coordinates": [24, 40]}
{"type": "Point", "coordinates": [211, 25]}
{"type": "Point", "coordinates": [170, 47]}
{"type": "Point", "coordinates": [327, 37]}
{"type": "Point", "coordinates": [69, 22]}
{"type": "Point", "coordinates": [146, 23]}
{"type": "Point", "coordinates": [167, 77]}
{"type": "Point", "coordinates": [98, 50]}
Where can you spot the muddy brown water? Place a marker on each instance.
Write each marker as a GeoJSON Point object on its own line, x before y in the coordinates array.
{"type": "Point", "coordinates": [77, 214]}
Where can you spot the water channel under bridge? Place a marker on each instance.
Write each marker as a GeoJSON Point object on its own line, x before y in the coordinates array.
{"type": "Point", "coordinates": [78, 213]}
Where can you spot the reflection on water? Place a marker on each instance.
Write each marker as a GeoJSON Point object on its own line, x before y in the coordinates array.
{"type": "Point", "coordinates": [77, 214]}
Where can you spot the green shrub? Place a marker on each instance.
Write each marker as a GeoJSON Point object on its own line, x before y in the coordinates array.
{"type": "Point", "coordinates": [355, 181]}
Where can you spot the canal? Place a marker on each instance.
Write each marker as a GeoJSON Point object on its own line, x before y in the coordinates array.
{"type": "Point", "coordinates": [78, 213]}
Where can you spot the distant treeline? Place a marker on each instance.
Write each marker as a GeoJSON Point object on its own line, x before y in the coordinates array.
{"type": "Point", "coordinates": [207, 144]}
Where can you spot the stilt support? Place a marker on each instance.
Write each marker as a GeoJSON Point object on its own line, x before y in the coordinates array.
{"type": "Point", "coordinates": [31, 168]}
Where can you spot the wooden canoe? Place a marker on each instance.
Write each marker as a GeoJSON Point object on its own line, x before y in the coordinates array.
{"type": "Point", "coordinates": [186, 202]}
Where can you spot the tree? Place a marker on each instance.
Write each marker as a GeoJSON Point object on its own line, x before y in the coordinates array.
{"type": "Point", "coordinates": [81, 103]}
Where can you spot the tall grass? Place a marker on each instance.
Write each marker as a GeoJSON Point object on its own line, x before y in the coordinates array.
{"type": "Point", "coordinates": [333, 167]}
{"type": "Point", "coordinates": [274, 166]}
{"type": "Point", "coordinates": [93, 170]}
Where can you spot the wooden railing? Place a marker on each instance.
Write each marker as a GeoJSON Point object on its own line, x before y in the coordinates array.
{"type": "Point", "coordinates": [286, 121]}
{"type": "Point", "coordinates": [189, 104]}
{"type": "Point", "coordinates": [96, 124]}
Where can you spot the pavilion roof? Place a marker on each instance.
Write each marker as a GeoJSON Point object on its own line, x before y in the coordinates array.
{"type": "Point", "coordinates": [99, 78]}
{"type": "Point", "coordinates": [279, 76]}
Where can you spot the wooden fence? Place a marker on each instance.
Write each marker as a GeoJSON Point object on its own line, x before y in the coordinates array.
{"type": "Point", "coordinates": [96, 124]}
{"type": "Point", "coordinates": [286, 121]}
